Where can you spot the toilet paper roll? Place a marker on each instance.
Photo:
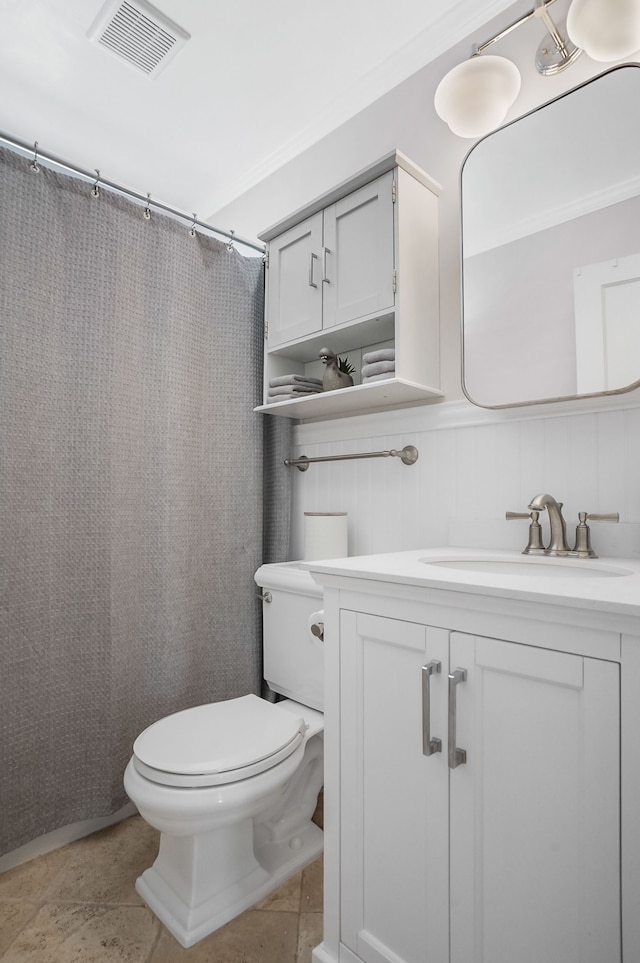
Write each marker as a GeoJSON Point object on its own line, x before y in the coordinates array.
{"type": "Point", "coordinates": [325, 535]}
{"type": "Point", "coordinates": [316, 626]}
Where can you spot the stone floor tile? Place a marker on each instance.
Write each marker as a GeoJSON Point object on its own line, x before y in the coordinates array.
{"type": "Point", "coordinates": [78, 905]}
{"type": "Point", "coordinates": [85, 934]}
{"type": "Point", "coordinates": [32, 880]}
{"type": "Point", "coordinates": [311, 889]}
{"type": "Point", "coordinates": [103, 867]}
{"type": "Point", "coordinates": [13, 918]}
{"type": "Point", "coordinates": [256, 936]}
{"type": "Point", "coordinates": [285, 898]}
{"type": "Point", "coordinates": [309, 935]}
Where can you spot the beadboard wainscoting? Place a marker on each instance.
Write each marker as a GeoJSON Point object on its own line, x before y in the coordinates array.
{"type": "Point", "coordinates": [474, 465]}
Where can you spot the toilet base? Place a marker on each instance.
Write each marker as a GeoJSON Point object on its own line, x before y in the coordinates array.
{"type": "Point", "coordinates": [273, 863]}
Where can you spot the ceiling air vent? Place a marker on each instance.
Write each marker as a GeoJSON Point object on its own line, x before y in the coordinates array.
{"type": "Point", "coordinates": [138, 33]}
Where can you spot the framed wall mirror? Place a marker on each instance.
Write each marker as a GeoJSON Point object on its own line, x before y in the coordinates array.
{"type": "Point", "coordinates": [551, 249]}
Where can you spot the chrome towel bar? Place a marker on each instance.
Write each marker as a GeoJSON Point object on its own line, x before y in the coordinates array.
{"type": "Point", "coordinates": [408, 456]}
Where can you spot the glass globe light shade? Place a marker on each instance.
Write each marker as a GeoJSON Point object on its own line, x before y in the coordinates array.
{"type": "Point", "coordinates": [607, 30]}
{"type": "Point", "coordinates": [475, 96]}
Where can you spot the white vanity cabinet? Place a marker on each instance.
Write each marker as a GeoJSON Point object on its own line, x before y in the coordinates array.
{"type": "Point", "coordinates": [475, 779]}
{"type": "Point", "coordinates": [512, 854]}
{"type": "Point", "coordinates": [355, 270]}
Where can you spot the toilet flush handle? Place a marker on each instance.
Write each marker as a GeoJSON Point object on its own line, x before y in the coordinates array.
{"type": "Point", "coordinates": [265, 596]}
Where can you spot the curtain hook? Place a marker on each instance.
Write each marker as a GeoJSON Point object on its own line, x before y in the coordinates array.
{"type": "Point", "coordinates": [192, 231]}
{"type": "Point", "coordinates": [231, 242]}
{"type": "Point", "coordinates": [95, 190]}
{"type": "Point", "coordinates": [35, 167]}
{"type": "Point", "coordinates": [147, 211]}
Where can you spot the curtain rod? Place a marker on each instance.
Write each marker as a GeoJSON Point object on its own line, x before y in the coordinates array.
{"type": "Point", "coordinates": [147, 199]}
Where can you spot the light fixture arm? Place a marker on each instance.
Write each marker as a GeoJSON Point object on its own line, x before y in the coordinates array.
{"type": "Point", "coordinates": [558, 39]}
{"type": "Point", "coordinates": [548, 61]}
{"type": "Point", "coordinates": [480, 48]}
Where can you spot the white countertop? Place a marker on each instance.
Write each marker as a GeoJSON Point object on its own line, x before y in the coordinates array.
{"type": "Point", "coordinates": [613, 585]}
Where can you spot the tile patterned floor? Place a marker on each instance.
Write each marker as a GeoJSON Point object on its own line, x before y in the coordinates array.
{"type": "Point", "coordinates": [78, 905]}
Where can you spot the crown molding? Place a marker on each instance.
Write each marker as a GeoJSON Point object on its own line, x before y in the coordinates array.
{"type": "Point", "coordinates": [462, 19]}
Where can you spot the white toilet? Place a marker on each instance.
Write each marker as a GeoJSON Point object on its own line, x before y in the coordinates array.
{"type": "Point", "coordinates": [232, 786]}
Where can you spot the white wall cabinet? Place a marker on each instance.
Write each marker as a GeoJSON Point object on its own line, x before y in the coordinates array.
{"type": "Point", "coordinates": [334, 267]}
{"type": "Point", "coordinates": [355, 270]}
{"type": "Point", "coordinates": [505, 842]}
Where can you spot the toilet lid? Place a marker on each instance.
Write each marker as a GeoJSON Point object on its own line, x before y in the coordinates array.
{"type": "Point", "coordinates": [217, 743]}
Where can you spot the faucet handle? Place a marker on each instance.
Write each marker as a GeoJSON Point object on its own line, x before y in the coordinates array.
{"type": "Point", "coordinates": [582, 547]}
{"type": "Point", "coordinates": [534, 545]}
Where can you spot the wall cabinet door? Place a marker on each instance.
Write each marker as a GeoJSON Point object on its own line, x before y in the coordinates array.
{"type": "Point", "coordinates": [333, 267]}
{"type": "Point", "coordinates": [507, 851]}
{"type": "Point", "coordinates": [358, 253]}
{"type": "Point", "coordinates": [535, 826]}
{"type": "Point", "coordinates": [294, 282]}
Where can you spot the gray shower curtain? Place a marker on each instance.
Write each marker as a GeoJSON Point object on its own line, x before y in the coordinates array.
{"type": "Point", "coordinates": [131, 485]}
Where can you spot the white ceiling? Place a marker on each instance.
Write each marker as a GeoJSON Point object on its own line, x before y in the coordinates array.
{"type": "Point", "coordinates": [256, 84]}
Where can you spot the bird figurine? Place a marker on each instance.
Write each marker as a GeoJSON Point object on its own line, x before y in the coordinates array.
{"type": "Point", "coordinates": [334, 375]}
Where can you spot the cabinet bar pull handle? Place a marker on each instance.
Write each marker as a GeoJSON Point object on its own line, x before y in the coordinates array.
{"type": "Point", "coordinates": [456, 756]}
{"type": "Point", "coordinates": [312, 283]}
{"type": "Point", "coordinates": [325, 251]}
{"type": "Point", "coordinates": [429, 745]}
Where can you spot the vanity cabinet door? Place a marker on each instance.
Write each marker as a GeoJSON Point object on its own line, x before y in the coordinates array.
{"type": "Point", "coordinates": [393, 799]}
{"type": "Point", "coordinates": [535, 826]}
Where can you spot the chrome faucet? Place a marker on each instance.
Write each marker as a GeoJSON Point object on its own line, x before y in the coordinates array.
{"type": "Point", "coordinates": [558, 544]}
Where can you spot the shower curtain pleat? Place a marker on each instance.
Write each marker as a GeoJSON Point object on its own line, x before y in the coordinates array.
{"type": "Point", "coordinates": [131, 487]}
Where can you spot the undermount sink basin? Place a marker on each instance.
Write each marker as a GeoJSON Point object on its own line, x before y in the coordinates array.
{"type": "Point", "coordinates": [537, 567]}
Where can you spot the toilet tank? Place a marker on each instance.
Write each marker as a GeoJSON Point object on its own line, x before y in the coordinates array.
{"type": "Point", "coordinates": [293, 656]}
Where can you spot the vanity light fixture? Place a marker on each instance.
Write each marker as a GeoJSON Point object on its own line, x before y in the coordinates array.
{"type": "Point", "coordinates": [475, 96]}
{"type": "Point", "coordinates": [607, 30]}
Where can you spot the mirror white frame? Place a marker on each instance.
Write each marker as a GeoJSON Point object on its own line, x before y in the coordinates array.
{"type": "Point", "coordinates": [550, 207]}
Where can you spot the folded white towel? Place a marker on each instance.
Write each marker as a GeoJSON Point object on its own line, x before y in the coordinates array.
{"type": "Point", "coordinates": [379, 377]}
{"type": "Point", "coordinates": [293, 379]}
{"type": "Point", "coordinates": [383, 354]}
{"type": "Point", "coordinates": [297, 389]}
{"type": "Point", "coordinates": [377, 367]}
{"type": "Point", "coordinates": [271, 399]}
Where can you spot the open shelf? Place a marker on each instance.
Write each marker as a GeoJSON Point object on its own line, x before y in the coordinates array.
{"type": "Point", "coordinates": [357, 400]}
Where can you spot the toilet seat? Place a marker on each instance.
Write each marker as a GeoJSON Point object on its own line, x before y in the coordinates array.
{"type": "Point", "coordinates": [219, 743]}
